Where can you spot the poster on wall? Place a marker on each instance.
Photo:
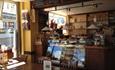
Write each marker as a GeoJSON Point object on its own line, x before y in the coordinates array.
{"type": "Point", "coordinates": [25, 20]}
{"type": "Point", "coordinates": [57, 19]}
{"type": "Point", "coordinates": [9, 8]}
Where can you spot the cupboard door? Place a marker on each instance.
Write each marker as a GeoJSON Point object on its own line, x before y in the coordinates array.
{"type": "Point", "coordinates": [95, 59]}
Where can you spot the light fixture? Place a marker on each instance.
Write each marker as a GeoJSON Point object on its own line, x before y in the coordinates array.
{"type": "Point", "coordinates": [92, 26]}
{"type": "Point", "coordinates": [45, 29]}
{"type": "Point", "coordinates": [50, 9]}
{"type": "Point", "coordinates": [77, 5]}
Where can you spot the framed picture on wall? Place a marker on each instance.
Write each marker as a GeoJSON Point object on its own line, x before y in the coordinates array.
{"type": "Point", "coordinates": [25, 20]}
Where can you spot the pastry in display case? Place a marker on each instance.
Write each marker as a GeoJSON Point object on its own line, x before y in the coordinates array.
{"type": "Point", "coordinates": [79, 56]}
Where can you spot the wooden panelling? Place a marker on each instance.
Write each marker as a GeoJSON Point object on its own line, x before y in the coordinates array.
{"type": "Point", "coordinates": [51, 3]}
{"type": "Point", "coordinates": [100, 58]}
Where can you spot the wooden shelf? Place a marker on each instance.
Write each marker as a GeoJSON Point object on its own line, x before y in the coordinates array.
{"type": "Point", "coordinates": [112, 18]}
{"type": "Point", "coordinates": [78, 22]}
{"type": "Point", "coordinates": [84, 20]}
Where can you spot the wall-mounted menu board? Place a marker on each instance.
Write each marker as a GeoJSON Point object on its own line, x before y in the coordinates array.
{"type": "Point", "coordinates": [51, 3]}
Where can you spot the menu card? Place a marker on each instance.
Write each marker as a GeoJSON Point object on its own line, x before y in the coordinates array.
{"type": "Point", "coordinates": [47, 65]}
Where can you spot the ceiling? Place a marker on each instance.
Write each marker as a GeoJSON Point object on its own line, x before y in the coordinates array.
{"type": "Point", "coordinates": [21, 0]}
{"type": "Point", "coordinates": [90, 6]}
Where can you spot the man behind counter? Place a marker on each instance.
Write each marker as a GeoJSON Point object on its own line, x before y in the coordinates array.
{"type": "Point", "coordinates": [60, 31]}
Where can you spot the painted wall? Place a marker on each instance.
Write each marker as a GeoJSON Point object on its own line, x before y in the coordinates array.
{"type": "Point", "coordinates": [25, 34]}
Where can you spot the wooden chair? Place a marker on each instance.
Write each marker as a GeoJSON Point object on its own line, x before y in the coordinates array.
{"type": "Point", "coordinates": [22, 58]}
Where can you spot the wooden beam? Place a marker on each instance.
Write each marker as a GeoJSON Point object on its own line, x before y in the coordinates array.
{"type": "Point", "coordinates": [53, 3]}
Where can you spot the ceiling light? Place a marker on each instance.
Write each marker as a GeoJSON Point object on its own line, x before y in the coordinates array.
{"type": "Point", "coordinates": [92, 26]}
{"type": "Point", "coordinates": [45, 29]}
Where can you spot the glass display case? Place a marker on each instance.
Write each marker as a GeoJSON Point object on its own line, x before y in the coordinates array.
{"type": "Point", "coordinates": [67, 53]}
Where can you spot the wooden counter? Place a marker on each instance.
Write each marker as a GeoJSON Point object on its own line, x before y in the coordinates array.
{"type": "Point", "coordinates": [100, 58]}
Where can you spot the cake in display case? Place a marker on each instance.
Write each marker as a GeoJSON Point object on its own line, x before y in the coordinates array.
{"type": "Point", "coordinates": [79, 56]}
{"type": "Point", "coordinates": [57, 52]}
{"type": "Point", "coordinates": [65, 53]}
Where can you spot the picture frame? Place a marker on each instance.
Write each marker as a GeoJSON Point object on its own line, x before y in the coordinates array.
{"type": "Point", "coordinates": [25, 19]}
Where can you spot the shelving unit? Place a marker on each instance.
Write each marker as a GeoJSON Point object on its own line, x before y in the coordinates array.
{"type": "Point", "coordinates": [112, 19]}
{"type": "Point", "coordinates": [78, 24]}
{"type": "Point", "coordinates": [98, 20]}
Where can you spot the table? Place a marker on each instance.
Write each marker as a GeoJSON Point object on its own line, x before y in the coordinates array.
{"type": "Point", "coordinates": [35, 66]}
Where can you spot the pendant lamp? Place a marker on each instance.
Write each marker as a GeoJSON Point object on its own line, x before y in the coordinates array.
{"type": "Point", "coordinates": [45, 29]}
{"type": "Point", "coordinates": [92, 26]}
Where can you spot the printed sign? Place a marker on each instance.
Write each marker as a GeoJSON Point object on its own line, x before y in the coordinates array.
{"type": "Point", "coordinates": [47, 65]}
{"type": "Point", "coordinates": [9, 8]}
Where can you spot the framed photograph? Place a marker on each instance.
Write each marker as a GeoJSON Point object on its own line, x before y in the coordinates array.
{"type": "Point", "coordinates": [25, 20]}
